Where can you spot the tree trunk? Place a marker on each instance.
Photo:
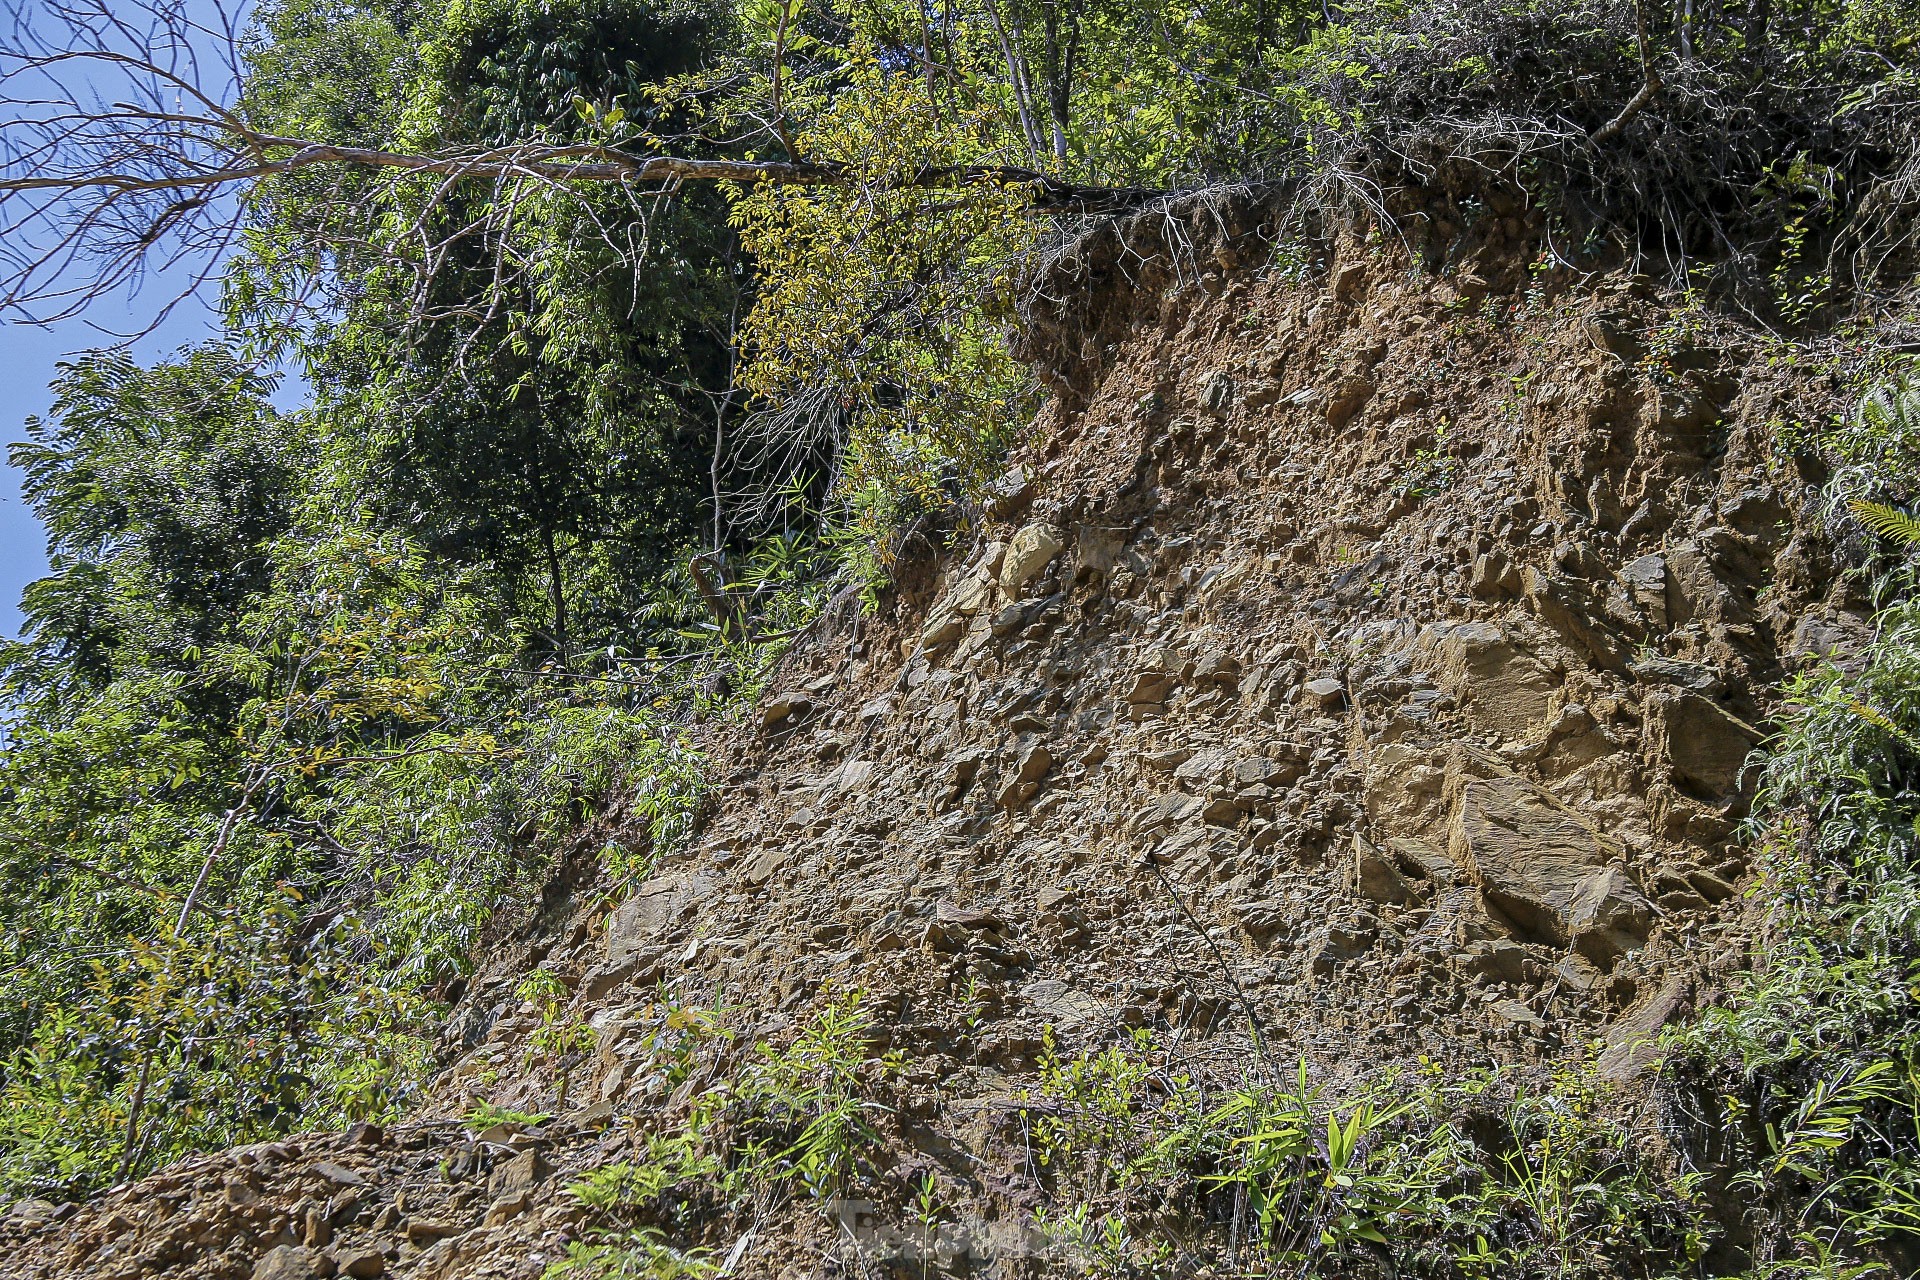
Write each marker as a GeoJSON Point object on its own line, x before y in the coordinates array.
{"type": "Point", "coordinates": [556, 591]}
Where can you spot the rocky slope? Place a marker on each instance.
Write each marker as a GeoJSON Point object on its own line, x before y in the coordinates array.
{"type": "Point", "coordinates": [1362, 658]}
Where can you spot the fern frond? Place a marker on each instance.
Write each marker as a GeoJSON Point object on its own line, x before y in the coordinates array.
{"type": "Point", "coordinates": [1888, 522]}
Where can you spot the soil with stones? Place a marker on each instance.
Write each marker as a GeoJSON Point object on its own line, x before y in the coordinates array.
{"type": "Point", "coordinates": [1364, 656]}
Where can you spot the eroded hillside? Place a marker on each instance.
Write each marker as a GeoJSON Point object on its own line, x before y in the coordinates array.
{"type": "Point", "coordinates": [1359, 668]}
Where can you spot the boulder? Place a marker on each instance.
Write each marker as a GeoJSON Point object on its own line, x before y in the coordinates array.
{"type": "Point", "coordinates": [293, 1262]}
{"type": "Point", "coordinates": [1546, 870]}
{"type": "Point", "coordinates": [1031, 550]}
{"type": "Point", "coordinates": [1503, 688]}
{"type": "Point", "coordinates": [1375, 877]}
{"type": "Point", "coordinates": [1704, 746]}
{"type": "Point", "coordinates": [361, 1264]}
{"type": "Point", "coordinates": [1326, 693]}
{"type": "Point", "coordinates": [639, 920]}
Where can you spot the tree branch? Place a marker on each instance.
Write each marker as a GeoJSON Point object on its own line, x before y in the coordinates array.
{"type": "Point", "coordinates": [589, 164]}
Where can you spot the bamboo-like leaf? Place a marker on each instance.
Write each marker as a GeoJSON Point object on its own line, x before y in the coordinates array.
{"type": "Point", "coordinates": [1887, 521]}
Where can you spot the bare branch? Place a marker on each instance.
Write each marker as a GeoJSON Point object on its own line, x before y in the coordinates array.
{"type": "Point", "coordinates": [126, 152]}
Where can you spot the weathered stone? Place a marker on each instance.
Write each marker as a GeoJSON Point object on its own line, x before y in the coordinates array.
{"type": "Point", "coordinates": [362, 1264]}
{"type": "Point", "coordinates": [1704, 745]}
{"type": "Point", "coordinates": [943, 630]}
{"type": "Point", "coordinates": [1326, 693]}
{"type": "Point", "coordinates": [335, 1174]}
{"type": "Point", "coordinates": [855, 776]}
{"type": "Point", "coordinates": [28, 1215]}
{"type": "Point", "coordinates": [1266, 919]}
{"type": "Point", "coordinates": [1347, 398]}
{"type": "Point", "coordinates": [315, 1231]}
{"type": "Point", "coordinates": [1546, 870]}
{"type": "Point", "coordinates": [345, 1207]}
{"type": "Point", "coordinates": [522, 1173]}
{"type": "Point", "coordinates": [638, 922]}
{"type": "Point", "coordinates": [1061, 1005]}
{"type": "Point", "coordinates": [1222, 811]}
{"type": "Point", "coordinates": [1347, 279]}
{"type": "Point", "coordinates": [1633, 1041]}
{"type": "Point", "coordinates": [1518, 1014]}
{"type": "Point", "coordinates": [1010, 492]}
{"type": "Point", "coordinates": [1710, 886]}
{"type": "Point", "coordinates": [1646, 582]}
{"type": "Point", "coordinates": [1250, 772]}
{"type": "Point", "coordinates": [1503, 688]}
{"type": "Point", "coordinates": [1839, 638]}
{"type": "Point", "coordinates": [1609, 914]}
{"type": "Point", "coordinates": [1216, 392]}
{"type": "Point", "coordinates": [1569, 605]}
{"type": "Point", "coordinates": [366, 1134]}
{"type": "Point", "coordinates": [1217, 667]}
{"type": "Point", "coordinates": [1166, 811]}
{"type": "Point", "coordinates": [1376, 878]}
{"type": "Point", "coordinates": [1149, 688]}
{"type": "Point", "coordinates": [1015, 793]}
{"type": "Point", "coordinates": [1201, 767]}
{"type": "Point", "coordinates": [1696, 676]}
{"type": "Point", "coordinates": [766, 866]}
{"type": "Point", "coordinates": [1034, 764]}
{"type": "Point", "coordinates": [1030, 551]}
{"type": "Point", "coordinates": [1007, 620]}
{"type": "Point", "coordinates": [972, 595]}
{"type": "Point", "coordinates": [426, 1230]}
{"type": "Point", "coordinates": [969, 919]}
{"type": "Point", "coordinates": [292, 1262]}
{"type": "Point", "coordinates": [1422, 859]}
{"type": "Point", "coordinates": [783, 706]}
{"type": "Point", "coordinates": [508, 1207]}
{"type": "Point", "coordinates": [1493, 576]}
{"type": "Point", "coordinates": [1694, 589]}
{"type": "Point", "coordinates": [1507, 961]}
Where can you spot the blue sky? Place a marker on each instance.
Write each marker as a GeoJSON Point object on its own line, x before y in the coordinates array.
{"type": "Point", "coordinates": [28, 353]}
{"type": "Point", "coordinates": [28, 356]}
{"type": "Point", "coordinates": [27, 359]}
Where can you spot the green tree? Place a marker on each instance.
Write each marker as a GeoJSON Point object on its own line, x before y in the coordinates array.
{"type": "Point", "coordinates": [547, 413]}
{"type": "Point", "coordinates": [159, 490]}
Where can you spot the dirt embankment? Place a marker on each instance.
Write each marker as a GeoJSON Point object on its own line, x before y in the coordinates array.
{"type": "Point", "coordinates": [1366, 655]}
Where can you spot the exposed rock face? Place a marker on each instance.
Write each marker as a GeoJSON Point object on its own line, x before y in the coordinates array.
{"type": "Point", "coordinates": [1235, 687]}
